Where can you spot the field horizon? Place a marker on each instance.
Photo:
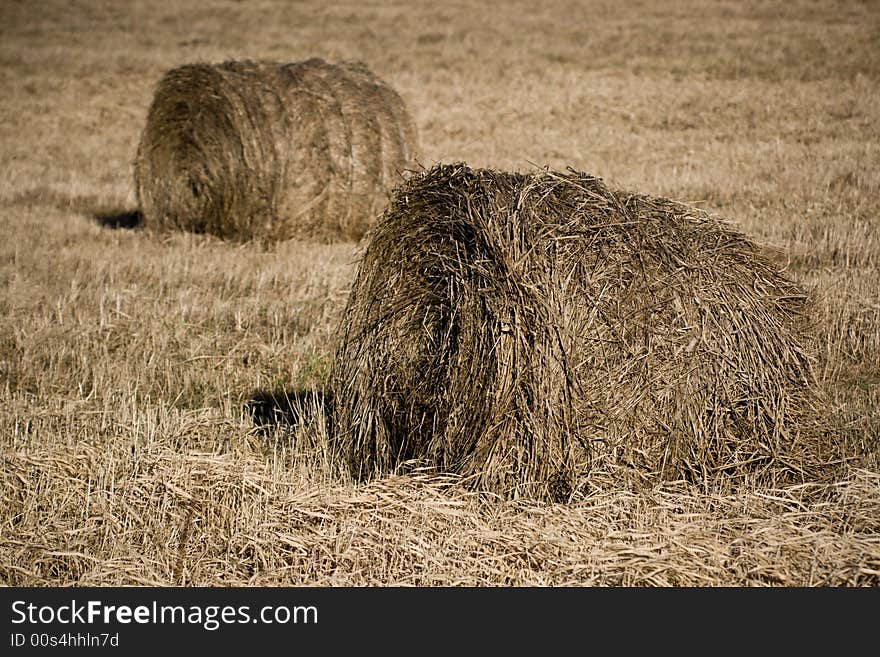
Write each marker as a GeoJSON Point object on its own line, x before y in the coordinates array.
{"type": "Point", "coordinates": [161, 414]}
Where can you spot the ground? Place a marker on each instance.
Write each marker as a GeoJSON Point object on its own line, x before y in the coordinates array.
{"type": "Point", "coordinates": [127, 360]}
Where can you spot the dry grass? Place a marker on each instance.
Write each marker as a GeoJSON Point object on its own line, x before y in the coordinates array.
{"type": "Point", "coordinates": [269, 151]}
{"type": "Point", "coordinates": [145, 513]}
{"type": "Point", "coordinates": [126, 362]}
{"type": "Point", "coordinates": [537, 332]}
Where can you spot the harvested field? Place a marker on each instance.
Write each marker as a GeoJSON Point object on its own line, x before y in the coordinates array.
{"type": "Point", "coordinates": [271, 151]}
{"type": "Point", "coordinates": [217, 520]}
{"type": "Point", "coordinates": [153, 388]}
{"type": "Point", "coordinates": [536, 332]}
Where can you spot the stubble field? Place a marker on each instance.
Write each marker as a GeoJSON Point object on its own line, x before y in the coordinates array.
{"type": "Point", "coordinates": [130, 362]}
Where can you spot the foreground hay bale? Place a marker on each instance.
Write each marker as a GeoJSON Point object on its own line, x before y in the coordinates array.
{"type": "Point", "coordinates": [247, 150]}
{"type": "Point", "coordinates": [538, 332]}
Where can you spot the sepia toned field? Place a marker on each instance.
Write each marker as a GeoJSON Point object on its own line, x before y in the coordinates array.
{"type": "Point", "coordinates": [137, 437]}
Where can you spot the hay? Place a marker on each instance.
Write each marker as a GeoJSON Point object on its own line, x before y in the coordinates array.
{"type": "Point", "coordinates": [538, 332]}
{"type": "Point", "coordinates": [258, 150]}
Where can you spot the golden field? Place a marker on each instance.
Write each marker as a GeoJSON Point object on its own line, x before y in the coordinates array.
{"type": "Point", "coordinates": [128, 360]}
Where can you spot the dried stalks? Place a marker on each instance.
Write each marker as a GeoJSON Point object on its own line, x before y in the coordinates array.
{"type": "Point", "coordinates": [260, 150]}
{"type": "Point", "coordinates": [539, 334]}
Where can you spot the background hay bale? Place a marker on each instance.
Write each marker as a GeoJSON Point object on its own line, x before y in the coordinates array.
{"type": "Point", "coordinates": [537, 332]}
{"type": "Point", "coordinates": [247, 150]}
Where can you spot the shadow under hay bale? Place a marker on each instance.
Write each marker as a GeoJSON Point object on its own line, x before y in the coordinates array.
{"type": "Point", "coordinates": [260, 150]}
{"type": "Point", "coordinates": [269, 409]}
{"type": "Point", "coordinates": [539, 332]}
{"type": "Point", "coordinates": [127, 219]}
{"type": "Point", "coordinates": [105, 212]}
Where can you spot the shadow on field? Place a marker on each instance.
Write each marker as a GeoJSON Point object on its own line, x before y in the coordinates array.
{"type": "Point", "coordinates": [286, 408]}
{"type": "Point", "coordinates": [119, 219]}
{"type": "Point", "coordinates": [105, 212]}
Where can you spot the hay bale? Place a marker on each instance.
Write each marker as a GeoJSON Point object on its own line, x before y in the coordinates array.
{"type": "Point", "coordinates": [261, 150]}
{"type": "Point", "coordinates": [540, 332]}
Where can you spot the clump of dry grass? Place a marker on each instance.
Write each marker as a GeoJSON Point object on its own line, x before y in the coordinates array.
{"type": "Point", "coordinates": [540, 333]}
{"type": "Point", "coordinates": [264, 150]}
{"type": "Point", "coordinates": [144, 512]}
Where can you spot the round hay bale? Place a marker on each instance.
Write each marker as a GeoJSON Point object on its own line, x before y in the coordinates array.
{"type": "Point", "coordinates": [540, 332]}
{"type": "Point", "coordinates": [261, 150]}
